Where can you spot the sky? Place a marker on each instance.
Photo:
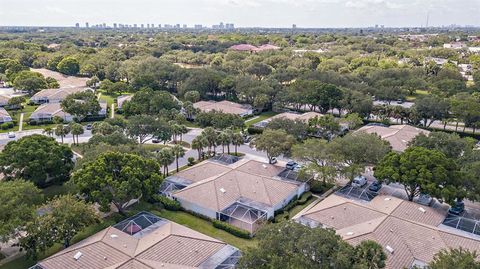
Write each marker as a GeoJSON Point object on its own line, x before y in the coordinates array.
{"type": "Point", "coordinates": [243, 13]}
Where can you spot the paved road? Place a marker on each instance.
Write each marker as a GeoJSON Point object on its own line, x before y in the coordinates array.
{"type": "Point", "coordinates": [68, 139]}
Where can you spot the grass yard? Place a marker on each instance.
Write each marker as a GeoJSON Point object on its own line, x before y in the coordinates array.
{"type": "Point", "coordinates": [260, 117]}
{"type": "Point", "coordinates": [418, 93]}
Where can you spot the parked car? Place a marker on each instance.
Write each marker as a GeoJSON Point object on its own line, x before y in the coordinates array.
{"type": "Point", "coordinates": [375, 186]}
{"type": "Point", "coordinates": [399, 101]}
{"type": "Point", "coordinates": [11, 135]}
{"type": "Point", "coordinates": [359, 181]}
{"type": "Point", "coordinates": [291, 164]}
{"type": "Point", "coordinates": [155, 141]}
{"type": "Point", "coordinates": [424, 199]}
{"type": "Point", "coordinates": [88, 127]}
{"type": "Point", "coordinates": [458, 208]}
{"type": "Point", "coordinates": [273, 161]}
{"type": "Point", "coordinates": [247, 139]}
{"type": "Point", "coordinates": [297, 168]}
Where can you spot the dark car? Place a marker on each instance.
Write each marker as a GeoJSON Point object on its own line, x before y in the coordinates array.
{"type": "Point", "coordinates": [291, 165]}
{"type": "Point", "coordinates": [458, 208]}
{"type": "Point", "coordinates": [89, 127]}
{"type": "Point", "coordinates": [375, 186]}
{"type": "Point", "coordinates": [155, 141]}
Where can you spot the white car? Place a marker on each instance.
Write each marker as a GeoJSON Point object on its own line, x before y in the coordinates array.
{"type": "Point", "coordinates": [359, 181]}
{"type": "Point", "coordinates": [11, 135]}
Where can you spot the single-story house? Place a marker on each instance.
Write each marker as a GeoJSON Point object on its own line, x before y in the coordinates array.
{"type": "Point", "coordinates": [55, 95]}
{"type": "Point", "coordinates": [397, 135]}
{"type": "Point", "coordinates": [410, 233]}
{"type": "Point", "coordinates": [122, 99]}
{"type": "Point", "coordinates": [144, 241]}
{"type": "Point", "coordinates": [4, 100]}
{"type": "Point", "coordinates": [4, 116]}
{"type": "Point", "coordinates": [225, 107]}
{"type": "Point", "coordinates": [305, 117]}
{"type": "Point", "coordinates": [103, 108]}
{"type": "Point", "coordinates": [46, 113]}
{"type": "Point", "coordinates": [244, 193]}
{"type": "Point", "coordinates": [63, 80]}
{"type": "Point", "coordinates": [251, 48]}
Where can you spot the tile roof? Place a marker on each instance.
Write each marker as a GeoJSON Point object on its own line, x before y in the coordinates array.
{"type": "Point", "coordinates": [251, 179]}
{"type": "Point", "coordinates": [50, 110]}
{"type": "Point", "coordinates": [169, 245]}
{"type": "Point", "coordinates": [223, 106]}
{"type": "Point", "coordinates": [413, 233]}
{"type": "Point", "coordinates": [57, 94]}
{"type": "Point", "coordinates": [64, 80]}
{"type": "Point", "coordinates": [397, 135]}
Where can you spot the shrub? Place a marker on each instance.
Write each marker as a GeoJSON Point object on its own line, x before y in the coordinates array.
{"type": "Point", "coordinates": [304, 198]}
{"type": "Point", "coordinates": [191, 161]}
{"type": "Point", "coordinates": [281, 217]}
{"type": "Point", "coordinates": [319, 187]}
{"type": "Point", "coordinates": [6, 125]}
{"type": "Point", "coordinates": [169, 204]}
{"type": "Point", "coordinates": [231, 229]}
{"type": "Point", "coordinates": [254, 130]}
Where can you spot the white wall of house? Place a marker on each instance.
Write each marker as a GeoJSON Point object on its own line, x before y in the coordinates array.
{"type": "Point", "coordinates": [196, 208]}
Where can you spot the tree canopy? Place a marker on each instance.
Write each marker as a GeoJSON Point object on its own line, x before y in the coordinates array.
{"type": "Point", "coordinates": [36, 158]}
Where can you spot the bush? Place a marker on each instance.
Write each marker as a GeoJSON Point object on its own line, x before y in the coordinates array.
{"type": "Point", "coordinates": [191, 161]}
{"type": "Point", "coordinates": [7, 125]}
{"type": "Point", "coordinates": [304, 198]}
{"type": "Point", "coordinates": [319, 187]}
{"type": "Point", "coordinates": [254, 130]}
{"type": "Point", "coordinates": [169, 204]}
{"type": "Point", "coordinates": [281, 217]}
{"type": "Point", "coordinates": [231, 229]}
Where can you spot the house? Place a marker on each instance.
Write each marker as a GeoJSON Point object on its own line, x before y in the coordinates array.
{"type": "Point", "coordinates": [455, 45]}
{"type": "Point", "coordinates": [144, 241]}
{"type": "Point", "coordinates": [251, 48]}
{"type": "Point", "coordinates": [305, 117]}
{"type": "Point", "coordinates": [47, 112]}
{"type": "Point", "coordinates": [397, 135]}
{"type": "Point", "coordinates": [122, 99]}
{"type": "Point", "coordinates": [243, 193]}
{"type": "Point", "coordinates": [474, 49]}
{"type": "Point", "coordinates": [63, 80]}
{"type": "Point", "coordinates": [225, 107]}
{"type": "Point", "coordinates": [4, 116]}
{"type": "Point", "coordinates": [54, 95]}
{"type": "Point", "coordinates": [4, 100]}
{"type": "Point", "coordinates": [410, 233]}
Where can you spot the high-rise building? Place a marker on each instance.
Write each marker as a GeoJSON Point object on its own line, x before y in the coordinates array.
{"type": "Point", "coordinates": [114, 26]}
{"type": "Point", "coordinates": [229, 26]}
{"type": "Point", "coordinates": [294, 26]}
{"type": "Point", "coordinates": [104, 25]}
{"type": "Point", "coordinates": [177, 25]}
{"type": "Point", "coordinates": [86, 25]}
{"type": "Point", "coordinates": [198, 26]}
{"type": "Point", "coordinates": [221, 26]}
{"type": "Point", "coordinates": [159, 25]}
{"type": "Point", "coordinates": [184, 26]}
{"type": "Point", "coordinates": [142, 26]}
{"type": "Point", "coordinates": [134, 25]}
{"type": "Point", "coordinates": [77, 25]}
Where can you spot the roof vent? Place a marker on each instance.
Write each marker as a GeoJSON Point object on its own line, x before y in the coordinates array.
{"type": "Point", "coordinates": [223, 190]}
{"type": "Point", "coordinates": [388, 199]}
{"type": "Point", "coordinates": [77, 255]}
{"type": "Point", "coordinates": [390, 249]}
{"type": "Point", "coordinates": [350, 233]}
{"type": "Point", "coordinates": [264, 166]}
{"type": "Point", "coordinates": [422, 210]}
{"type": "Point", "coordinates": [113, 236]}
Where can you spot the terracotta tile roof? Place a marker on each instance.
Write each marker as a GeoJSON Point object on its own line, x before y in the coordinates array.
{"type": "Point", "coordinates": [252, 180]}
{"type": "Point", "coordinates": [203, 171]}
{"type": "Point", "coordinates": [223, 106]}
{"type": "Point", "coordinates": [397, 135]}
{"type": "Point", "coordinates": [166, 245]}
{"type": "Point", "coordinates": [412, 233]}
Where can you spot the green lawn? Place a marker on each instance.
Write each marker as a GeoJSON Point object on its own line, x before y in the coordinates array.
{"type": "Point", "coordinates": [418, 93]}
{"type": "Point", "coordinates": [260, 117]}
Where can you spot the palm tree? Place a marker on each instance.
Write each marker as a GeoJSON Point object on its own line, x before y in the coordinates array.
{"type": "Point", "coordinates": [223, 139]}
{"type": "Point", "coordinates": [62, 130]}
{"type": "Point", "coordinates": [165, 157]}
{"type": "Point", "coordinates": [198, 144]}
{"type": "Point", "coordinates": [237, 140]}
{"type": "Point", "coordinates": [76, 129]}
{"type": "Point", "coordinates": [182, 130]}
{"type": "Point", "coordinates": [179, 152]}
{"type": "Point", "coordinates": [211, 137]}
{"type": "Point", "coordinates": [230, 134]}
{"type": "Point", "coordinates": [49, 131]}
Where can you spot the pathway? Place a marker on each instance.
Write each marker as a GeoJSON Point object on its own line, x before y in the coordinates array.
{"type": "Point", "coordinates": [20, 122]}
{"type": "Point", "coordinates": [113, 111]}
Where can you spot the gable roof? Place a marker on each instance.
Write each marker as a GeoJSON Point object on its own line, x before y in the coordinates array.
{"type": "Point", "coordinates": [167, 245]}
{"type": "Point", "coordinates": [56, 94]}
{"type": "Point", "coordinates": [397, 135]}
{"type": "Point", "coordinates": [223, 106]}
{"type": "Point", "coordinates": [49, 110]}
{"type": "Point", "coordinates": [414, 234]}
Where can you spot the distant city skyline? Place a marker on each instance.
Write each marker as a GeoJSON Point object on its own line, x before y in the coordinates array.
{"type": "Point", "coordinates": [243, 13]}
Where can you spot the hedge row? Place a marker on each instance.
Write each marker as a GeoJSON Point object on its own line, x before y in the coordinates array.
{"type": "Point", "coordinates": [169, 204]}
{"type": "Point", "coordinates": [254, 130]}
{"type": "Point", "coordinates": [7, 125]}
{"type": "Point", "coordinates": [231, 229]}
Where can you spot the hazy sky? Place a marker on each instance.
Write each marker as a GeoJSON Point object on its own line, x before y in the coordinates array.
{"type": "Point", "coordinates": [276, 13]}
